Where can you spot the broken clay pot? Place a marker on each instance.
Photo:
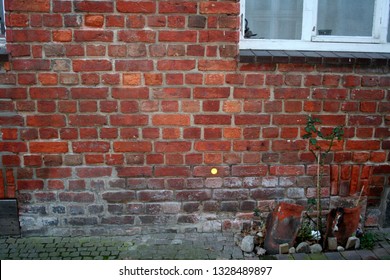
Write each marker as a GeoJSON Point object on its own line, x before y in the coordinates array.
{"type": "Point", "coordinates": [342, 223]}
{"type": "Point", "coordinates": [282, 226]}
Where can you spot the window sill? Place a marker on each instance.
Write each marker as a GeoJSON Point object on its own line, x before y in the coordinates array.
{"type": "Point", "coordinates": [313, 57]}
{"type": "Point", "coordinates": [3, 53]}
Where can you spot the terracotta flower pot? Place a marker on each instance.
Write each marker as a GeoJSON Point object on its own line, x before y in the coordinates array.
{"type": "Point", "coordinates": [342, 223]}
{"type": "Point", "coordinates": [282, 226]}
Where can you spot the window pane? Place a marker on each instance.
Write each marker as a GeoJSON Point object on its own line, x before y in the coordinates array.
{"type": "Point", "coordinates": [274, 19]}
{"type": "Point", "coordinates": [345, 17]}
{"type": "Point", "coordinates": [388, 30]}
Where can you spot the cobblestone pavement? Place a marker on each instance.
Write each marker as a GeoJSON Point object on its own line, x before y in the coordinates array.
{"type": "Point", "coordinates": [169, 246]}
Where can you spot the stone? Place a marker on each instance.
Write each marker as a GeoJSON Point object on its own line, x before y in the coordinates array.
{"type": "Point", "coordinates": [340, 249]}
{"type": "Point", "coordinates": [260, 251]}
{"type": "Point", "coordinates": [238, 239]}
{"type": "Point", "coordinates": [332, 243]}
{"type": "Point", "coordinates": [357, 245]}
{"type": "Point", "coordinates": [247, 244]}
{"type": "Point", "coordinates": [315, 248]}
{"type": "Point", "coordinates": [292, 250]}
{"type": "Point", "coordinates": [303, 247]}
{"type": "Point", "coordinates": [283, 248]}
{"type": "Point", "coordinates": [351, 242]}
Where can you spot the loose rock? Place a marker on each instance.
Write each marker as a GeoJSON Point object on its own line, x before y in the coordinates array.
{"type": "Point", "coordinates": [340, 248]}
{"type": "Point", "coordinates": [247, 244]}
{"type": "Point", "coordinates": [283, 248]}
{"type": "Point", "coordinates": [332, 243]}
{"type": "Point", "coordinates": [303, 247]}
{"type": "Point", "coordinates": [315, 248]}
{"type": "Point", "coordinates": [351, 243]}
{"type": "Point", "coordinates": [292, 250]}
{"type": "Point", "coordinates": [260, 251]}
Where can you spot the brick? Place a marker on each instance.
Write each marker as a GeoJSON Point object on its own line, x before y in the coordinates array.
{"type": "Point", "coordinates": [93, 172]}
{"type": "Point", "coordinates": [137, 171]}
{"type": "Point", "coordinates": [169, 119]}
{"type": "Point", "coordinates": [137, 36]}
{"type": "Point", "coordinates": [176, 65]}
{"type": "Point", "coordinates": [11, 120]}
{"type": "Point", "coordinates": [213, 146]}
{"type": "Point", "coordinates": [212, 119]}
{"type": "Point", "coordinates": [91, 65]}
{"type": "Point", "coordinates": [193, 195]}
{"type": "Point", "coordinates": [245, 171]}
{"type": "Point", "coordinates": [174, 146]}
{"type": "Point", "coordinates": [250, 145]}
{"type": "Point", "coordinates": [267, 193]}
{"type": "Point", "coordinates": [134, 65]}
{"type": "Point", "coordinates": [94, 6]}
{"type": "Point", "coordinates": [219, 36]}
{"type": "Point", "coordinates": [27, 6]}
{"type": "Point", "coordinates": [219, 8]}
{"type": "Point", "coordinates": [48, 147]}
{"type": "Point", "coordinates": [177, 7]}
{"type": "Point", "coordinates": [144, 7]}
{"type": "Point", "coordinates": [49, 93]}
{"type": "Point", "coordinates": [253, 106]}
{"type": "Point", "coordinates": [287, 170]}
{"type": "Point", "coordinates": [363, 145]}
{"type": "Point", "coordinates": [217, 65]}
{"type": "Point", "coordinates": [252, 119]}
{"type": "Point", "coordinates": [119, 197]}
{"type": "Point", "coordinates": [90, 146]}
{"type": "Point", "coordinates": [155, 195]}
{"type": "Point", "coordinates": [87, 120]}
{"type": "Point", "coordinates": [338, 94]}
{"type": "Point", "coordinates": [133, 147]}
{"type": "Point", "coordinates": [251, 93]}
{"type": "Point", "coordinates": [128, 120]}
{"type": "Point", "coordinates": [30, 185]}
{"type": "Point", "coordinates": [31, 65]}
{"type": "Point", "coordinates": [89, 93]}
{"type": "Point", "coordinates": [172, 171]}
{"type": "Point", "coordinates": [35, 35]}
{"type": "Point", "coordinates": [211, 92]}
{"type": "Point", "coordinates": [371, 120]}
{"type": "Point", "coordinates": [364, 94]}
{"type": "Point", "coordinates": [94, 20]}
{"type": "Point", "coordinates": [178, 36]}
{"type": "Point", "coordinates": [130, 93]}
{"type": "Point", "coordinates": [54, 172]}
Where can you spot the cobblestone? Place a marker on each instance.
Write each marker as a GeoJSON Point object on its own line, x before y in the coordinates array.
{"type": "Point", "coordinates": [171, 246]}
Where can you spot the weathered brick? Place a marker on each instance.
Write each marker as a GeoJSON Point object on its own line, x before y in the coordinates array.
{"type": "Point", "coordinates": [119, 197]}
{"type": "Point", "coordinates": [136, 171]}
{"type": "Point", "coordinates": [48, 147]}
{"type": "Point", "coordinates": [146, 7]}
{"type": "Point", "coordinates": [54, 172]}
{"type": "Point", "coordinates": [91, 65]}
{"type": "Point", "coordinates": [193, 195]}
{"type": "Point", "coordinates": [155, 195]}
{"type": "Point", "coordinates": [94, 6]}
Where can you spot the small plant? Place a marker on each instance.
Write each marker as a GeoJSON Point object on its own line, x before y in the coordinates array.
{"type": "Point", "coordinates": [320, 145]}
{"type": "Point", "coordinates": [368, 240]}
{"type": "Point", "coordinates": [305, 232]}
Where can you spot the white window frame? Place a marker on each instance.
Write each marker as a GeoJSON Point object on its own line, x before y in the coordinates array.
{"type": "Point", "coordinates": [2, 15]}
{"type": "Point", "coordinates": [310, 41]}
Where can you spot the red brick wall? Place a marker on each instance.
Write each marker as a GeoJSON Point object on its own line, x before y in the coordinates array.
{"type": "Point", "coordinates": [115, 112]}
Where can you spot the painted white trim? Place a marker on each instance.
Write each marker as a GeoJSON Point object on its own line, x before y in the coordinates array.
{"type": "Point", "coordinates": [297, 45]}
{"type": "Point", "coordinates": [310, 41]}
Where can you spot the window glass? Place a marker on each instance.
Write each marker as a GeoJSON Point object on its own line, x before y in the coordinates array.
{"type": "Point", "coordinates": [345, 17]}
{"type": "Point", "coordinates": [388, 30]}
{"type": "Point", "coordinates": [274, 19]}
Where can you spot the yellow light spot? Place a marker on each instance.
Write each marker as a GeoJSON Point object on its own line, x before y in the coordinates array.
{"type": "Point", "coordinates": [214, 171]}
